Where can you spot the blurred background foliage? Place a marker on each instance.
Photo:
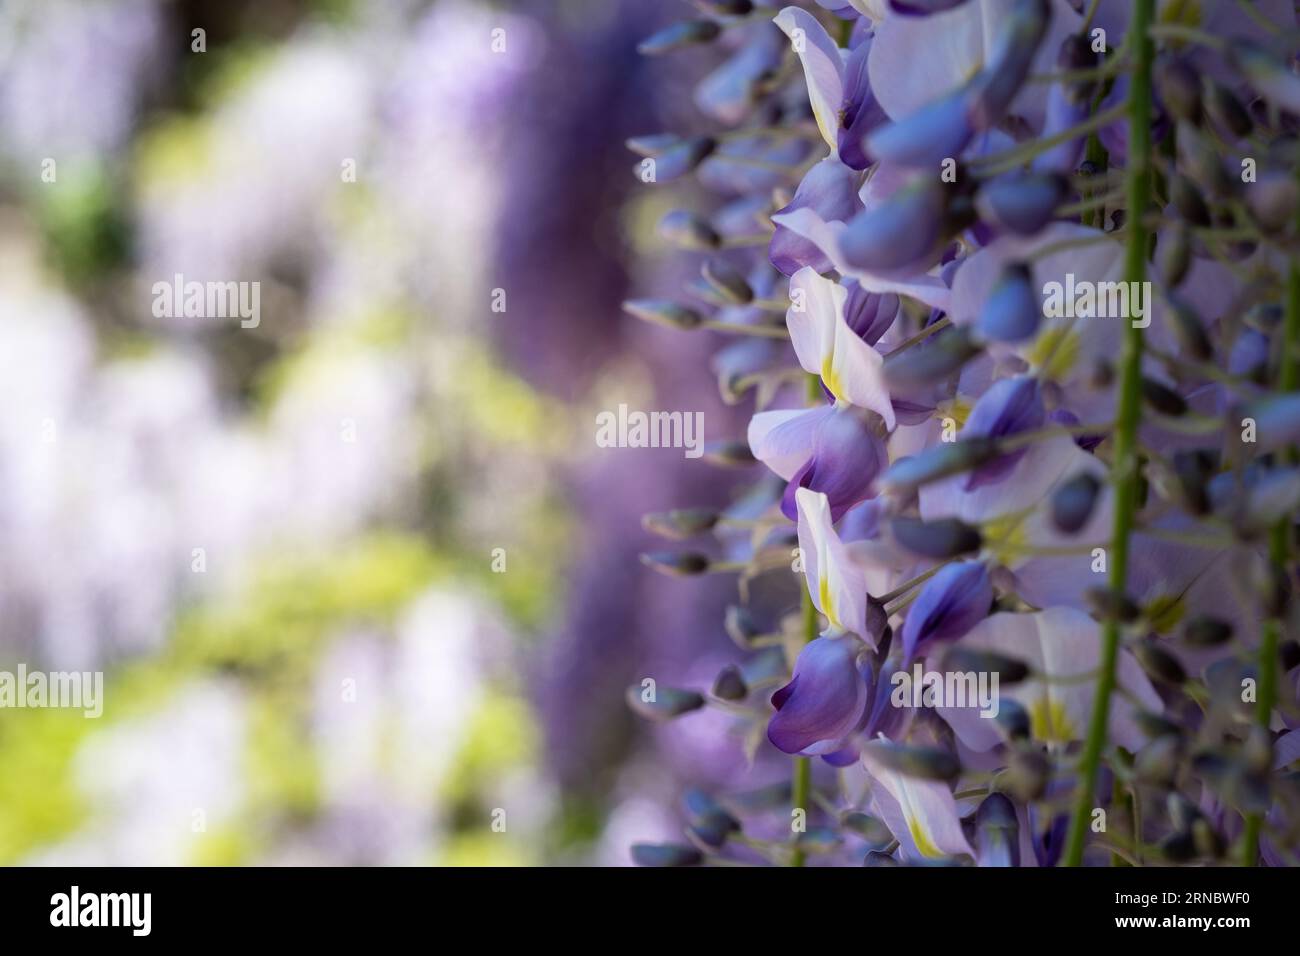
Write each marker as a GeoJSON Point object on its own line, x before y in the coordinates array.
{"type": "Point", "coordinates": [278, 543]}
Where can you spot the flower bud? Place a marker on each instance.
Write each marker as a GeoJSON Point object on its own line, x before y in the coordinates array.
{"type": "Point", "coordinates": [665, 313]}
{"type": "Point", "coordinates": [686, 230]}
{"type": "Point", "coordinates": [941, 461]}
{"type": "Point", "coordinates": [708, 835]}
{"type": "Point", "coordinates": [818, 839]}
{"type": "Point", "coordinates": [729, 685]}
{"type": "Point", "coordinates": [701, 806]}
{"type": "Point", "coordinates": [1272, 201]}
{"type": "Point", "coordinates": [678, 35]}
{"type": "Point", "coordinates": [1226, 111]}
{"type": "Point", "coordinates": [877, 858]}
{"type": "Point", "coordinates": [1174, 254]}
{"type": "Point", "coordinates": [1189, 330]}
{"type": "Point", "coordinates": [1270, 498]}
{"type": "Point", "coordinates": [726, 8]}
{"type": "Point", "coordinates": [1257, 750]}
{"type": "Point", "coordinates": [1076, 54]}
{"type": "Point", "coordinates": [680, 158]}
{"type": "Point", "coordinates": [766, 667]}
{"type": "Point", "coordinates": [1010, 670]}
{"type": "Point", "coordinates": [680, 523]}
{"type": "Point", "coordinates": [1187, 199]}
{"type": "Point", "coordinates": [727, 281]}
{"type": "Point", "coordinates": [922, 763]}
{"type": "Point", "coordinates": [1157, 725]}
{"type": "Point", "coordinates": [930, 361]}
{"type": "Point", "coordinates": [729, 453]}
{"type": "Point", "coordinates": [1272, 588]}
{"type": "Point", "coordinates": [1102, 374]}
{"type": "Point", "coordinates": [740, 626]}
{"type": "Point", "coordinates": [1012, 312]}
{"type": "Point", "coordinates": [665, 703]}
{"type": "Point", "coordinates": [665, 854]}
{"type": "Point", "coordinates": [1179, 88]}
{"type": "Point", "coordinates": [1199, 161]}
{"type": "Point", "coordinates": [1022, 203]}
{"type": "Point", "coordinates": [1162, 398]}
{"type": "Point", "coordinates": [1157, 763]}
{"type": "Point", "coordinates": [711, 824]}
{"type": "Point", "coordinates": [923, 8]}
{"type": "Point", "coordinates": [771, 797]}
{"type": "Point", "coordinates": [1178, 848]}
{"type": "Point", "coordinates": [1027, 775]}
{"type": "Point", "coordinates": [867, 827]}
{"type": "Point", "coordinates": [1022, 30]}
{"type": "Point", "coordinates": [1193, 469]}
{"type": "Point", "coordinates": [1206, 631]}
{"type": "Point", "coordinates": [676, 563]}
{"type": "Point", "coordinates": [1277, 420]}
{"type": "Point", "coordinates": [997, 832]}
{"type": "Point", "coordinates": [908, 232]}
{"type": "Point", "coordinates": [1073, 502]}
{"type": "Point", "coordinates": [1111, 605]}
{"type": "Point", "coordinates": [1159, 663]}
{"type": "Point", "coordinates": [1013, 721]}
{"type": "Point", "coordinates": [652, 144]}
{"type": "Point", "coordinates": [941, 539]}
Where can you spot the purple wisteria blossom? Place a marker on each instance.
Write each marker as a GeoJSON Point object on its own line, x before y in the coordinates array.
{"type": "Point", "coordinates": [1038, 429]}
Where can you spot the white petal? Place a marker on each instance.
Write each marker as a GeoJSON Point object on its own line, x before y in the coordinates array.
{"type": "Point", "coordinates": [857, 375]}
{"type": "Point", "coordinates": [783, 440]}
{"type": "Point", "coordinates": [816, 303]}
{"type": "Point", "coordinates": [826, 346]}
{"type": "Point", "coordinates": [1060, 642]}
{"type": "Point", "coordinates": [823, 68]}
{"type": "Point", "coordinates": [916, 60]}
{"type": "Point", "coordinates": [921, 814]}
{"type": "Point", "coordinates": [835, 583]}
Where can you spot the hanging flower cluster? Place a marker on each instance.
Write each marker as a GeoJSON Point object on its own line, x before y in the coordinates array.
{"type": "Point", "coordinates": [1013, 287]}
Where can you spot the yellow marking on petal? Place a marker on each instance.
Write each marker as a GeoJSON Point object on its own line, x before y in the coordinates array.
{"type": "Point", "coordinates": [830, 379]}
{"type": "Point", "coordinates": [824, 599]}
{"type": "Point", "coordinates": [1049, 722]}
{"type": "Point", "coordinates": [958, 409]}
{"type": "Point", "coordinates": [924, 845]}
{"type": "Point", "coordinates": [1006, 537]}
{"type": "Point", "coordinates": [1055, 352]}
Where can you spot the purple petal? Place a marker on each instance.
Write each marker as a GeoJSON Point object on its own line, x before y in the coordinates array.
{"type": "Point", "coordinates": [869, 314]}
{"type": "Point", "coordinates": [901, 237]}
{"type": "Point", "coordinates": [939, 131]}
{"type": "Point", "coordinates": [824, 701]}
{"type": "Point", "coordinates": [830, 189]}
{"type": "Point", "coordinates": [1010, 406]}
{"type": "Point", "coordinates": [860, 113]}
{"type": "Point", "coordinates": [847, 456]}
{"type": "Point", "coordinates": [949, 605]}
{"type": "Point", "coordinates": [728, 92]}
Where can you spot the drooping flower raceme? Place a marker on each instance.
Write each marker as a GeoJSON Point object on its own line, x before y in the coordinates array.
{"type": "Point", "coordinates": [1035, 426]}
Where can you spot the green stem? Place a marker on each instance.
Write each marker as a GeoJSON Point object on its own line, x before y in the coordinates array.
{"type": "Point", "coordinates": [996, 164]}
{"type": "Point", "coordinates": [1125, 466]}
{"type": "Point", "coordinates": [1278, 553]}
{"type": "Point", "coordinates": [802, 787]}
